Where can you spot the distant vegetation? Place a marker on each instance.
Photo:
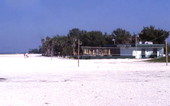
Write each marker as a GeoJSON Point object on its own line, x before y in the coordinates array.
{"type": "Point", "coordinates": [162, 59]}
{"type": "Point", "coordinates": [67, 44]}
{"type": "Point", "coordinates": [35, 51]}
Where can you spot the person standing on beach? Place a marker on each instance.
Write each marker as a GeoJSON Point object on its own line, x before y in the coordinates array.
{"type": "Point", "coordinates": [26, 55]}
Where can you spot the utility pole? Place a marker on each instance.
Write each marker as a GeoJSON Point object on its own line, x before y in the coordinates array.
{"type": "Point", "coordinates": [166, 53]}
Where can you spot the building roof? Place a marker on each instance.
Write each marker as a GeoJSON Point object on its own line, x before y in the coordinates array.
{"type": "Point", "coordinates": [150, 45]}
{"type": "Point", "coordinates": [128, 45]}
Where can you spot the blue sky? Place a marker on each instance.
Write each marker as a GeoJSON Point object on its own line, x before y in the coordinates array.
{"type": "Point", "coordinates": [24, 22]}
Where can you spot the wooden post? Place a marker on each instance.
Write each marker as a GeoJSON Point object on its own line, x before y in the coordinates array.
{"type": "Point", "coordinates": [166, 53]}
{"type": "Point", "coordinates": [78, 51]}
{"type": "Point", "coordinates": [136, 45]}
{"type": "Point", "coordinates": [52, 51]}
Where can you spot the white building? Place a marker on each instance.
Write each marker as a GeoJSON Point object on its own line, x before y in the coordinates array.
{"type": "Point", "coordinates": [147, 50]}
{"type": "Point", "coordinates": [143, 50]}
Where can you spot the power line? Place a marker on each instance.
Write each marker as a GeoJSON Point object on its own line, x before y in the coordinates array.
{"type": "Point", "coordinates": [157, 37]}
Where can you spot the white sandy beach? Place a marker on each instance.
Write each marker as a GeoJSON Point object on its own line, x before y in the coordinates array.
{"type": "Point", "coordinates": [42, 81]}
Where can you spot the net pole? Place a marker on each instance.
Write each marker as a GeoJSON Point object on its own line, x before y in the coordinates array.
{"type": "Point", "coordinates": [78, 52]}
{"type": "Point", "coordinates": [136, 45]}
{"type": "Point", "coordinates": [166, 53]}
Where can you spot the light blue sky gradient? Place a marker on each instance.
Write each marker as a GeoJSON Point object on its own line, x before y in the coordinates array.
{"type": "Point", "coordinates": [24, 22]}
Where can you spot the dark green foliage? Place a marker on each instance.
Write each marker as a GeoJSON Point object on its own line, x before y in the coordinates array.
{"type": "Point", "coordinates": [34, 51]}
{"type": "Point", "coordinates": [68, 45]}
{"type": "Point", "coordinates": [122, 36]}
{"type": "Point", "coordinates": [157, 36]}
{"type": "Point", "coordinates": [93, 38]}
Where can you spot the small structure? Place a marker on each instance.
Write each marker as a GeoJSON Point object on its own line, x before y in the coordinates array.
{"type": "Point", "coordinates": [147, 50]}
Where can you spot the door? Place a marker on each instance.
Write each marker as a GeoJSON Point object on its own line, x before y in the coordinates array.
{"type": "Point", "coordinates": [155, 52]}
{"type": "Point", "coordinates": [143, 53]}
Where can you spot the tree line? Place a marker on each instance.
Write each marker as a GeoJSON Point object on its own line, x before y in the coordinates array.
{"type": "Point", "coordinates": [67, 44]}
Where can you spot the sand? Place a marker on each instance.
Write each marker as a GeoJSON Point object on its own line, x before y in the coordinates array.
{"type": "Point", "coordinates": [45, 81]}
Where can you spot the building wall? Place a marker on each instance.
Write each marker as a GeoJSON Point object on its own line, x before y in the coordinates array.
{"type": "Point", "coordinates": [148, 52]}
{"type": "Point", "coordinates": [160, 52]}
{"type": "Point", "coordinates": [139, 52]}
{"type": "Point", "coordinates": [126, 51]}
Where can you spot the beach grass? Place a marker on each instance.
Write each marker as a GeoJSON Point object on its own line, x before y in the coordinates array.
{"type": "Point", "coordinates": [162, 59]}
